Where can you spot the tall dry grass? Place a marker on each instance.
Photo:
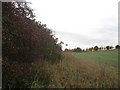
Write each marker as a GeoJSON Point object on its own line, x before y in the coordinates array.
{"type": "Point", "coordinates": [75, 72]}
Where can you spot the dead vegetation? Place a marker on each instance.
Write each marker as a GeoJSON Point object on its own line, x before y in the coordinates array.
{"type": "Point", "coordinates": [74, 72]}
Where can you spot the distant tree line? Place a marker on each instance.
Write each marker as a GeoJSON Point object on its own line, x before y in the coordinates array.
{"type": "Point", "coordinates": [95, 48]}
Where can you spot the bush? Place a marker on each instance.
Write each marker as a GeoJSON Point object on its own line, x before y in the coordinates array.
{"type": "Point", "coordinates": [25, 39]}
{"type": "Point", "coordinates": [17, 75]}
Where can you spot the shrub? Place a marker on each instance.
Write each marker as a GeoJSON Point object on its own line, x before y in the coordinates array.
{"type": "Point", "coordinates": [25, 39]}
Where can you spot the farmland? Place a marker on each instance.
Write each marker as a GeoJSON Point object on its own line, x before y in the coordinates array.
{"type": "Point", "coordinates": [75, 70]}
{"type": "Point", "coordinates": [86, 70]}
{"type": "Point", "coordinates": [107, 57]}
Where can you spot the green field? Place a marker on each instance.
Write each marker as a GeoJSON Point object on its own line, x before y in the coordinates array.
{"type": "Point", "coordinates": [107, 57]}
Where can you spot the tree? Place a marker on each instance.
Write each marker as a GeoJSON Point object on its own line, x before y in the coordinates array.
{"type": "Point", "coordinates": [77, 49]}
{"type": "Point", "coordinates": [111, 47]}
{"type": "Point", "coordinates": [83, 50]}
{"type": "Point", "coordinates": [66, 49]}
{"type": "Point", "coordinates": [117, 47]}
{"type": "Point", "coordinates": [107, 47]}
{"type": "Point", "coordinates": [87, 49]}
{"type": "Point", "coordinates": [96, 48]}
{"type": "Point", "coordinates": [25, 39]}
{"type": "Point", "coordinates": [90, 49]}
{"type": "Point", "coordinates": [100, 48]}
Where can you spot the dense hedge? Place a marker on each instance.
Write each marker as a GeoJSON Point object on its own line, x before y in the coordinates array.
{"type": "Point", "coordinates": [25, 39]}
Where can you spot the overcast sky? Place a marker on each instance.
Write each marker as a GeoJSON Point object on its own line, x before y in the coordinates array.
{"type": "Point", "coordinates": [80, 23]}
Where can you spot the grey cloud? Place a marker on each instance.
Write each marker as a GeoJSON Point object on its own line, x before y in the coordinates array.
{"type": "Point", "coordinates": [108, 37]}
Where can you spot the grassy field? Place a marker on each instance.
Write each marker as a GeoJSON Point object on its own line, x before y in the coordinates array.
{"type": "Point", "coordinates": [75, 70]}
{"type": "Point", "coordinates": [107, 57]}
{"type": "Point", "coordinates": [80, 70]}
